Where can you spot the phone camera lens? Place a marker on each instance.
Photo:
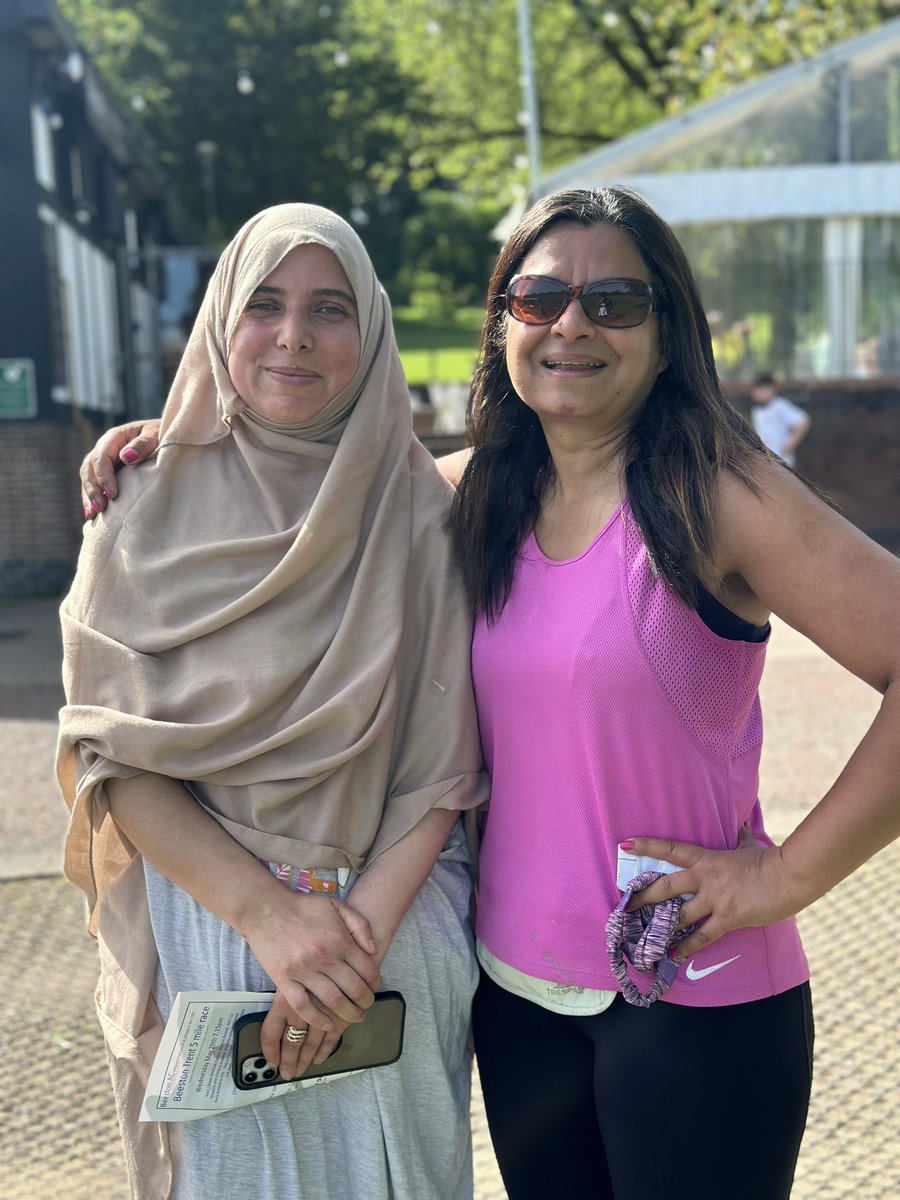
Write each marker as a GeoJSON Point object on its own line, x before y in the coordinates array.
{"type": "Point", "coordinates": [258, 1064]}
{"type": "Point", "coordinates": [249, 1077]}
{"type": "Point", "coordinates": [269, 1073]}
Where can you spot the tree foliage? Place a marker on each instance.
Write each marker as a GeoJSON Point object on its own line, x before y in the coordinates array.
{"type": "Point", "coordinates": [388, 109]}
{"type": "Point", "coordinates": [603, 68]}
{"type": "Point", "coordinates": [312, 127]}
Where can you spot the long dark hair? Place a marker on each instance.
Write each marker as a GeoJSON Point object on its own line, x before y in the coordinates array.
{"type": "Point", "coordinates": [682, 435]}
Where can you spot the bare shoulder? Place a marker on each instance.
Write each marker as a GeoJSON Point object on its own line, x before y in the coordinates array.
{"type": "Point", "coordinates": [779, 515]}
{"type": "Point", "coordinates": [804, 561]}
{"type": "Point", "coordinates": [452, 466]}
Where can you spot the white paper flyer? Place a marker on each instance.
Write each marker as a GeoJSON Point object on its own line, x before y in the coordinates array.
{"type": "Point", "coordinates": [191, 1074]}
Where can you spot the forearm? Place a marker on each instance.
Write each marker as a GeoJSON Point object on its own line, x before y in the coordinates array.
{"type": "Point", "coordinates": [388, 887]}
{"type": "Point", "coordinates": [858, 816]}
{"type": "Point", "coordinates": [177, 836]}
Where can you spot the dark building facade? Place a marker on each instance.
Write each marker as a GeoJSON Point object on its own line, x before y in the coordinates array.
{"type": "Point", "coordinates": [81, 210]}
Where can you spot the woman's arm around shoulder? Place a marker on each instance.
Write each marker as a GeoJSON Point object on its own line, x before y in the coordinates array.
{"type": "Point", "coordinates": [452, 466]}
{"type": "Point", "coordinates": [122, 445]}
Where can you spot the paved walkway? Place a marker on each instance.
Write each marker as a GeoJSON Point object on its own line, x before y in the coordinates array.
{"type": "Point", "coordinates": [57, 1127]}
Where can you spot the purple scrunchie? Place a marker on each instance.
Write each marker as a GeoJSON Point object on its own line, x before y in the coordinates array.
{"type": "Point", "coordinates": [644, 937]}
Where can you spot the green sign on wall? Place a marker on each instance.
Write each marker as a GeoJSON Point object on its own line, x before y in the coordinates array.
{"type": "Point", "coordinates": [18, 397]}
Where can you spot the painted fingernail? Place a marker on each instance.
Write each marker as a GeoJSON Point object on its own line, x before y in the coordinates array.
{"type": "Point", "coordinates": [627, 844]}
{"type": "Point", "coordinates": [107, 493]}
{"type": "Point", "coordinates": [96, 506]}
{"type": "Point", "coordinates": [129, 455]}
{"type": "Point", "coordinates": [88, 512]}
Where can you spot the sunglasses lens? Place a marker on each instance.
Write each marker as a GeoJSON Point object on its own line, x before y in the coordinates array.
{"type": "Point", "coordinates": [535, 300]}
{"type": "Point", "coordinates": [614, 303]}
{"type": "Point", "coordinates": [618, 303]}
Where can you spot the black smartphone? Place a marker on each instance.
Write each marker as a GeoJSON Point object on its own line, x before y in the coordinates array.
{"type": "Point", "coordinates": [375, 1041]}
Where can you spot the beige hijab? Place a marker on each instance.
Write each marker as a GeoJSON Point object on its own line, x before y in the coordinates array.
{"type": "Point", "coordinates": [271, 613]}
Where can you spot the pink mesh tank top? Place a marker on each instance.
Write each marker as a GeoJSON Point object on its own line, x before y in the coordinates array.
{"type": "Point", "coordinates": [609, 710]}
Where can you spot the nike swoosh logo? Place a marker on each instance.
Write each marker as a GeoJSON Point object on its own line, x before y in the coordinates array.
{"type": "Point", "coordinates": [693, 973]}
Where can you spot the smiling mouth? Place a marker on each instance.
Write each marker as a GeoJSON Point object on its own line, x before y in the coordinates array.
{"type": "Point", "coordinates": [287, 373]}
{"type": "Point", "coordinates": [573, 366]}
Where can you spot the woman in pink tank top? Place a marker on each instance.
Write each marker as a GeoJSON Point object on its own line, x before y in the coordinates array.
{"type": "Point", "coordinates": [624, 536]}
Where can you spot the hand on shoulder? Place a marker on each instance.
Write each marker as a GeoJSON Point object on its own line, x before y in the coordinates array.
{"type": "Point", "coordinates": [123, 445]}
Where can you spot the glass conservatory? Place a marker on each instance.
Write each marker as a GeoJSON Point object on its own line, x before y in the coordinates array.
{"type": "Point", "coordinates": [786, 195]}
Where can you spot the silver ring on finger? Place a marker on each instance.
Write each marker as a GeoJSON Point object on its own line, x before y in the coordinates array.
{"type": "Point", "coordinates": [295, 1034]}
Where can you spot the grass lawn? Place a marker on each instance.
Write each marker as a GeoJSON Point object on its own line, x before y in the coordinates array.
{"type": "Point", "coordinates": [435, 350]}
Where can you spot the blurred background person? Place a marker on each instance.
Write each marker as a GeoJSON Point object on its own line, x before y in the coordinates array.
{"type": "Point", "coordinates": [781, 424]}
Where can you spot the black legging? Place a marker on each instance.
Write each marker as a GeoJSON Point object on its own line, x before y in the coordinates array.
{"type": "Point", "coordinates": [633, 1104]}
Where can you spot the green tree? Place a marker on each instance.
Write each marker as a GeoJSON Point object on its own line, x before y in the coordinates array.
{"type": "Point", "coordinates": [447, 251]}
{"type": "Point", "coordinates": [308, 125]}
{"type": "Point", "coordinates": [367, 105]}
{"type": "Point", "coordinates": [603, 68]}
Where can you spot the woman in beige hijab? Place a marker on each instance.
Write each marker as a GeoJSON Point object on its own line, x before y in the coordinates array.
{"type": "Point", "coordinates": [266, 651]}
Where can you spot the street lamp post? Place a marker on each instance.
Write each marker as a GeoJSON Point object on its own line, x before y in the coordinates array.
{"type": "Point", "coordinates": [530, 117]}
{"type": "Point", "coordinates": [206, 152]}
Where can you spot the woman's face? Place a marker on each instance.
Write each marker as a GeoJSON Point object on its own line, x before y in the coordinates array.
{"type": "Point", "coordinates": [573, 370]}
{"type": "Point", "coordinates": [296, 344]}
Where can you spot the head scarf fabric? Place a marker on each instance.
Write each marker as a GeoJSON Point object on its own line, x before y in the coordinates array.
{"type": "Point", "coordinates": [272, 613]}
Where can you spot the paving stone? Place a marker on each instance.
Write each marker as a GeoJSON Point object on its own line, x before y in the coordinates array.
{"type": "Point", "coordinates": [59, 1135]}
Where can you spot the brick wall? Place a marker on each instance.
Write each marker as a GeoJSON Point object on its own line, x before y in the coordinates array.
{"type": "Point", "coordinates": [40, 517]}
{"type": "Point", "coordinates": [852, 449]}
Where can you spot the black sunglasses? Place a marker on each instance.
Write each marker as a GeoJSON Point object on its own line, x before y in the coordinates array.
{"type": "Point", "coordinates": [615, 303]}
